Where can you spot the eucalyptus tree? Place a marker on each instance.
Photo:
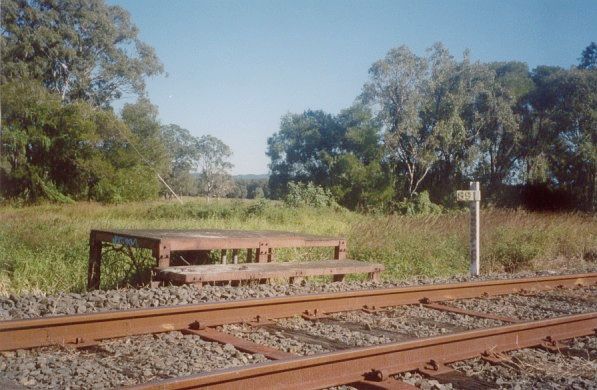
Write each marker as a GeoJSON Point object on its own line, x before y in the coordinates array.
{"type": "Point", "coordinates": [141, 118]}
{"type": "Point", "coordinates": [184, 154]}
{"type": "Point", "coordinates": [537, 125]}
{"type": "Point", "coordinates": [588, 58]}
{"type": "Point", "coordinates": [452, 89]}
{"type": "Point", "coordinates": [213, 166]}
{"type": "Point", "coordinates": [397, 90]}
{"type": "Point", "coordinates": [446, 119]}
{"type": "Point", "coordinates": [80, 49]}
{"type": "Point", "coordinates": [570, 123]}
{"type": "Point", "coordinates": [63, 152]}
{"type": "Point", "coordinates": [498, 120]}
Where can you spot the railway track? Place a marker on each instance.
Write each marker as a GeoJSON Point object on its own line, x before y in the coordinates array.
{"type": "Point", "coordinates": [357, 338]}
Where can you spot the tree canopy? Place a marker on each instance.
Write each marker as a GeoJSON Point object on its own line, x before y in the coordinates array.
{"type": "Point", "coordinates": [431, 123]}
{"type": "Point", "coordinates": [213, 166]}
{"type": "Point", "coordinates": [66, 151]}
{"type": "Point", "coordinates": [80, 49]}
{"type": "Point", "coordinates": [63, 64]}
{"type": "Point", "coordinates": [588, 58]}
{"type": "Point", "coordinates": [423, 125]}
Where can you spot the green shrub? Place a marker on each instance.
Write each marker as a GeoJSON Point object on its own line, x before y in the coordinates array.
{"type": "Point", "coordinates": [308, 194]}
{"type": "Point", "coordinates": [256, 209]}
{"type": "Point", "coordinates": [419, 204]}
{"type": "Point", "coordinates": [189, 210]}
{"type": "Point", "coordinates": [515, 250]}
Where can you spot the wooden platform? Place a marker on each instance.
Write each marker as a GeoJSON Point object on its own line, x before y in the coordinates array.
{"type": "Point", "coordinates": [200, 274]}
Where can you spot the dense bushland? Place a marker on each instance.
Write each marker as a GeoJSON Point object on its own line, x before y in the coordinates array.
{"type": "Point", "coordinates": [64, 63]}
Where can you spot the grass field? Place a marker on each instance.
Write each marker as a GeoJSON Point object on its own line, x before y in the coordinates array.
{"type": "Point", "coordinates": [45, 247]}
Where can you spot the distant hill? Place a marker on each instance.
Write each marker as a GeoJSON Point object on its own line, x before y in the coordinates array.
{"type": "Point", "coordinates": [250, 177]}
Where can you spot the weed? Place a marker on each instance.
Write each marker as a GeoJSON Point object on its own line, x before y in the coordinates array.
{"type": "Point", "coordinates": [46, 247]}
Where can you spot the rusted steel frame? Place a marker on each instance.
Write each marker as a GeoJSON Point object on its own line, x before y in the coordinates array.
{"type": "Point", "coordinates": [160, 250]}
{"type": "Point", "coordinates": [210, 334]}
{"type": "Point", "coordinates": [340, 250]}
{"type": "Point", "coordinates": [228, 238]}
{"type": "Point", "coordinates": [162, 243]}
{"type": "Point", "coordinates": [178, 243]}
{"type": "Point", "coordinates": [240, 243]}
{"type": "Point", "coordinates": [139, 242]}
{"type": "Point", "coordinates": [95, 262]}
{"type": "Point", "coordinates": [336, 368]}
{"type": "Point", "coordinates": [262, 252]}
{"type": "Point", "coordinates": [37, 332]}
{"type": "Point", "coordinates": [457, 310]}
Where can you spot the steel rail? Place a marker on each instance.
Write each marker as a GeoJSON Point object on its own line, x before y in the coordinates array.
{"type": "Point", "coordinates": [349, 366]}
{"type": "Point", "coordinates": [85, 328]}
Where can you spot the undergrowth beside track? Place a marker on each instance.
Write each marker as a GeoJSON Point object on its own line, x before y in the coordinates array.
{"type": "Point", "coordinates": [45, 247]}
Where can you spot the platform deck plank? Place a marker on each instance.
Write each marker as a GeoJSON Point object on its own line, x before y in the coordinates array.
{"type": "Point", "coordinates": [256, 271]}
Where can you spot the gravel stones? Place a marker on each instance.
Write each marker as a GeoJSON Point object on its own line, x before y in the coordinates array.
{"type": "Point", "coordinates": [413, 321]}
{"type": "Point", "coordinates": [541, 305]}
{"type": "Point", "coordinates": [534, 368]}
{"type": "Point", "coordinates": [418, 380]}
{"type": "Point", "coordinates": [143, 358]}
{"type": "Point", "coordinates": [119, 362]}
{"type": "Point", "coordinates": [356, 328]}
{"type": "Point", "coordinates": [273, 338]}
{"type": "Point", "coordinates": [337, 334]}
{"type": "Point", "coordinates": [39, 305]}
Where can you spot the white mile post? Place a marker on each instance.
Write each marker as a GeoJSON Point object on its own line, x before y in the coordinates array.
{"type": "Point", "coordinates": [473, 197]}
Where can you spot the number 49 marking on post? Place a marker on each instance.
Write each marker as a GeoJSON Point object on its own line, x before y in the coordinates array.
{"type": "Point", "coordinates": [473, 196]}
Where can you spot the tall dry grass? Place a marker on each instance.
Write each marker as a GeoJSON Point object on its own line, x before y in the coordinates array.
{"type": "Point", "coordinates": [45, 247]}
{"type": "Point", "coordinates": [510, 241]}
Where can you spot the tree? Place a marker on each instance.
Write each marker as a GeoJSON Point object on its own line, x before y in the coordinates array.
{"type": "Point", "coordinates": [561, 132]}
{"type": "Point", "coordinates": [339, 152]}
{"type": "Point", "coordinates": [79, 49]}
{"type": "Point", "coordinates": [360, 178]}
{"type": "Point", "coordinates": [534, 107]}
{"type": "Point", "coordinates": [214, 179]}
{"type": "Point", "coordinates": [573, 154]}
{"type": "Point", "coordinates": [499, 125]}
{"type": "Point", "coordinates": [298, 151]}
{"type": "Point", "coordinates": [397, 88]}
{"type": "Point", "coordinates": [141, 118]}
{"type": "Point", "coordinates": [184, 154]}
{"type": "Point", "coordinates": [62, 152]}
{"type": "Point", "coordinates": [30, 117]}
{"type": "Point", "coordinates": [249, 187]}
{"type": "Point", "coordinates": [451, 90]}
{"type": "Point", "coordinates": [446, 120]}
{"type": "Point", "coordinates": [361, 133]}
{"type": "Point", "coordinates": [588, 58]}
{"type": "Point", "coordinates": [259, 193]}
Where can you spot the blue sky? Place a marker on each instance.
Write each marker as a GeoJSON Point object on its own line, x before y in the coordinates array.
{"type": "Point", "coordinates": [235, 67]}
